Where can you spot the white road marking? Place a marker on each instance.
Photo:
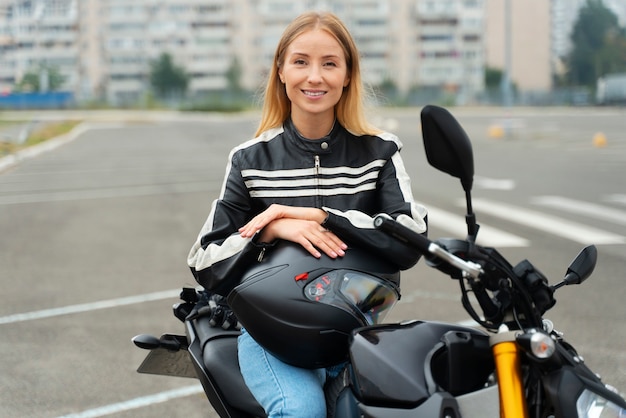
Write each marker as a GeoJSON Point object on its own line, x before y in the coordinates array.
{"type": "Point", "coordinates": [136, 403]}
{"type": "Point", "coordinates": [86, 307]}
{"type": "Point", "coordinates": [582, 208]}
{"type": "Point", "coordinates": [437, 217]}
{"type": "Point", "coordinates": [112, 192]}
{"type": "Point", "coordinates": [494, 184]}
{"type": "Point", "coordinates": [616, 198]}
{"type": "Point", "coordinates": [111, 303]}
{"type": "Point", "coordinates": [51, 144]}
{"type": "Point", "coordinates": [420, 294]}
{"type": "Point", "coordinates": [487, 236]}
{"type": "Point", "coordinates": [570, 230]}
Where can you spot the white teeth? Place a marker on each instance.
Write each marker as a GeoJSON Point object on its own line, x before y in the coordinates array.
{"type": "Point", "coordinates": [314, 93]}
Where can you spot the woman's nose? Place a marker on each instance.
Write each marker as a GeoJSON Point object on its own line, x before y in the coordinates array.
{"type": "Point", "coordinates": [315, 75]}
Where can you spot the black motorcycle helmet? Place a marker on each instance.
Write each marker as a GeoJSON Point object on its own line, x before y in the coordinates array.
{"type": "Point", "coordinates": [302, 309]}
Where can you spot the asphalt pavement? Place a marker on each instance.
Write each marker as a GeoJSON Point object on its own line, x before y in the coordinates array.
{"type": "Point", "coordinates": [96, 227]}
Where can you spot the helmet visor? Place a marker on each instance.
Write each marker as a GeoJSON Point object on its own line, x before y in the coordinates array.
{"type": "Point", "coordinates": [370, 297]}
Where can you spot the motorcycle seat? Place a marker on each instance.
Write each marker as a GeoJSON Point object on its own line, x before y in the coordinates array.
{"type": "Point", "coordinates": [219, 355]}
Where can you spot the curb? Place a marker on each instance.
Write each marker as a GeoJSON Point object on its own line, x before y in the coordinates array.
{"type": "Point", "coordinates": [48, 145]}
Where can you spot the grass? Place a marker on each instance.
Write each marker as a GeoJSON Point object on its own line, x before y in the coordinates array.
{"type": "Point", "coordinates": [50, 130]}
{"type": "Point", "coordinates": [42, 132]}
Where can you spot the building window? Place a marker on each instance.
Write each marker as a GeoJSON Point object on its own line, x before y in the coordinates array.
{"type": "Point", "coordinates": [472, 4]}
{"type": "Point", "coordinates": [435, 37]}
{"type": "Point", "coordinates": [471, 38]}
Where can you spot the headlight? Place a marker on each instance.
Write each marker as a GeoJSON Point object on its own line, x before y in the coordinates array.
{"type": "Point", "coordinates": [592, 405]}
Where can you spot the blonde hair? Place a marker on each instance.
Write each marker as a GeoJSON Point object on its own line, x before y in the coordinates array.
{"type": "Point", "coordinates": [349, 111]}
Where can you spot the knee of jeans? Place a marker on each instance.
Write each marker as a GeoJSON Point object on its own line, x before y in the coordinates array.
{"type": "Point", "coordinates": [301, 406]}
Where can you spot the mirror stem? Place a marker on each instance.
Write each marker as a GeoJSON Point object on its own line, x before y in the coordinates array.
{"type": "Point", "coordinates": [470, 219]}
{"type": "Point", "coordinates": [472, 227]}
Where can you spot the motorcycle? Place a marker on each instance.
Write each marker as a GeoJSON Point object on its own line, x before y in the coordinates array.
{"type": "Point", "coordinates": [516, 364]}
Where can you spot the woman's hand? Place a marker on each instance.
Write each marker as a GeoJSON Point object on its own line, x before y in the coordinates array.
{"type": "Point", "coordinates": [297, 224]}
{"type": "Point", "coordinates": [275, 211]}
{"type": "Point", "coordinates": [311, 235]}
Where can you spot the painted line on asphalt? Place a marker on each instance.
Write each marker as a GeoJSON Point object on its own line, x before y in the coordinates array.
{"type": "Point", "coordinates": [105, 193]}
{"type": "Point", "coordinates": [488, 236]}
{"type": "Point", "coordinates": [616, 198]}
{"type": "Point", "coordinates": [86, 307]}
{"type": "Point", "coordinates": [579, 207]}
{"type": "Point", "coordinates": [421, 294]}
{"type": "Point", "coordinates": [148, 400]}
{"type": "Point", "coordinates": [494, 184]}
{"type": "Point", "coordinates": [136, 403]}
{"type": "Point", "coordinates": [51, 144]}
{"type": "Point", "coordinates": [569, 230]}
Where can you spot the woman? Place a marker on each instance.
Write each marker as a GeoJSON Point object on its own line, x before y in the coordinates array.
{"type": "Point", "coordinates": [316, 174]}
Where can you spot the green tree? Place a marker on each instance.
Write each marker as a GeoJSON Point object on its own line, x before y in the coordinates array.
{"type": "Point", "coordinates": [598, 45]}
{"type": "Point", "coordinates": [387, 91]}
{"type": "Point", "coordinates": [42, 73]}
{"type": "Point", "coordinates": [493, 78]}
{"type": "Point", "coordinates": [233, 75]}
{"type": "Point", "coordinates": [167, 79]}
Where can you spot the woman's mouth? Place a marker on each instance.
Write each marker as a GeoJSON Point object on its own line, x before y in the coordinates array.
{"type": "Point", "coordinates": [312, 93]}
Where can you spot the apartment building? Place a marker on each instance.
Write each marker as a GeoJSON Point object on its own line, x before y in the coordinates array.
{"type": "Point", "coordinates": [451, 45]}
{"type": "Point", "coordinates": [35, 33]}
{"type": "Point", "coordinates": [529, 41]}
{"type": "Point", "coordinates": [104, 47]}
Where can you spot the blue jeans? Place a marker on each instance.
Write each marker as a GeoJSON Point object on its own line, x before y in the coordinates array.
{"type": "Point", "coordinates": [281, 389]}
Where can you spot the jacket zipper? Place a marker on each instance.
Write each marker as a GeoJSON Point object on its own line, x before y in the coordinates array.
{"type": "Point", "coordinates": [317, 181]}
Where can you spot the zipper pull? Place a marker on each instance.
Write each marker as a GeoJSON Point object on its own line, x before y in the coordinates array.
{"type": "Point", "coordinates": [318, 199]}
{"type": "Point", "coordinates": [261, 254]}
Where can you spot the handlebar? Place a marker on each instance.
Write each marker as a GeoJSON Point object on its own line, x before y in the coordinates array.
{"type": "Point", "coordinates": [424, 245]}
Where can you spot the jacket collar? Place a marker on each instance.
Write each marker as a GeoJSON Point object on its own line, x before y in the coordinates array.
{"type": "Point", "coordinates": [322, 145]}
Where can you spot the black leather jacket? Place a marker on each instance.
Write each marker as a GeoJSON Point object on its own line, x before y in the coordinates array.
{"type": "Point", "coordinates": [353, 178]}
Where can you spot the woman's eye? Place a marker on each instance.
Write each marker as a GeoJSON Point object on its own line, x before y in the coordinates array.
{"type": "Point", "coordinates": [299, 62]}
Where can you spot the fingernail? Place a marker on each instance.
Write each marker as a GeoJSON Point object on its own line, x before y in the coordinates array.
{"type": "Point", "coordinates": [341, 253]}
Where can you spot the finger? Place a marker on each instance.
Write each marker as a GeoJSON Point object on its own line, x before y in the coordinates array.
{"type": "Point", "coordinates": [259, 222]}
{"type": "Point", "coordinates": [307, 245]}
{"type": "Point", "coordinates": [324, 242]}
{"type": "Point", "coordinates": [334, 242]}
{"type": "Point", "coordinates": [247, 231]}
{"type": "Point", "coordinates": [252, 227]}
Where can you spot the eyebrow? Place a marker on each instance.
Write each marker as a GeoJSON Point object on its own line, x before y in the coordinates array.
{"type": "Point", "coordinates": [303, 54]}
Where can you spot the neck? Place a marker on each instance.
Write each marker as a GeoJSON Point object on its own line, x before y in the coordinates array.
{"type": "Point", "coordinates": [314, 127]}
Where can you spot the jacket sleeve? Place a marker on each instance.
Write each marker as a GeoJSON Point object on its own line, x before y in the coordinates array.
{"type": "Point", "coordinates": [396, 200]}
{"type": "Point", "coordinates": [219, 255]}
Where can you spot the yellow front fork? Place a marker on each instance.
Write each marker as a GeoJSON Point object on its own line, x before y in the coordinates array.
{"type": "Point", "coordinates": [510, 383]}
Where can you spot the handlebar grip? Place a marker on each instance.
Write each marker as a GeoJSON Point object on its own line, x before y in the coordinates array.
{"type": "Point", "coordinates": [397, 230]}
{"type": "Point", "coordinates": [424, 245]}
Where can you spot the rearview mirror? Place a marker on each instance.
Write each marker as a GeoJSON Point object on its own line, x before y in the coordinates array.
{"type": "Point", "coordinates": [447, 146]}
{"type": "Point", "coordinates": [582, 266]}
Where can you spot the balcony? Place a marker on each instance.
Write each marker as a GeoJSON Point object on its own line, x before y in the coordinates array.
{"type": "Point", "coordinates": [208, 83]}
{"type": "Point", "coordinates": [437, 8]}
{"type": "Point", "coordinates": [440, 74]}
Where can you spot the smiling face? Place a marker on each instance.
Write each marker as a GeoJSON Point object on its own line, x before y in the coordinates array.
{"type": "Point", "coordinates": [314, 73]}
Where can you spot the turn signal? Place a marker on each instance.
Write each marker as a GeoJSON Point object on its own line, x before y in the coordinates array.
{"type": "Point", "coordinates": [537, 343]}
